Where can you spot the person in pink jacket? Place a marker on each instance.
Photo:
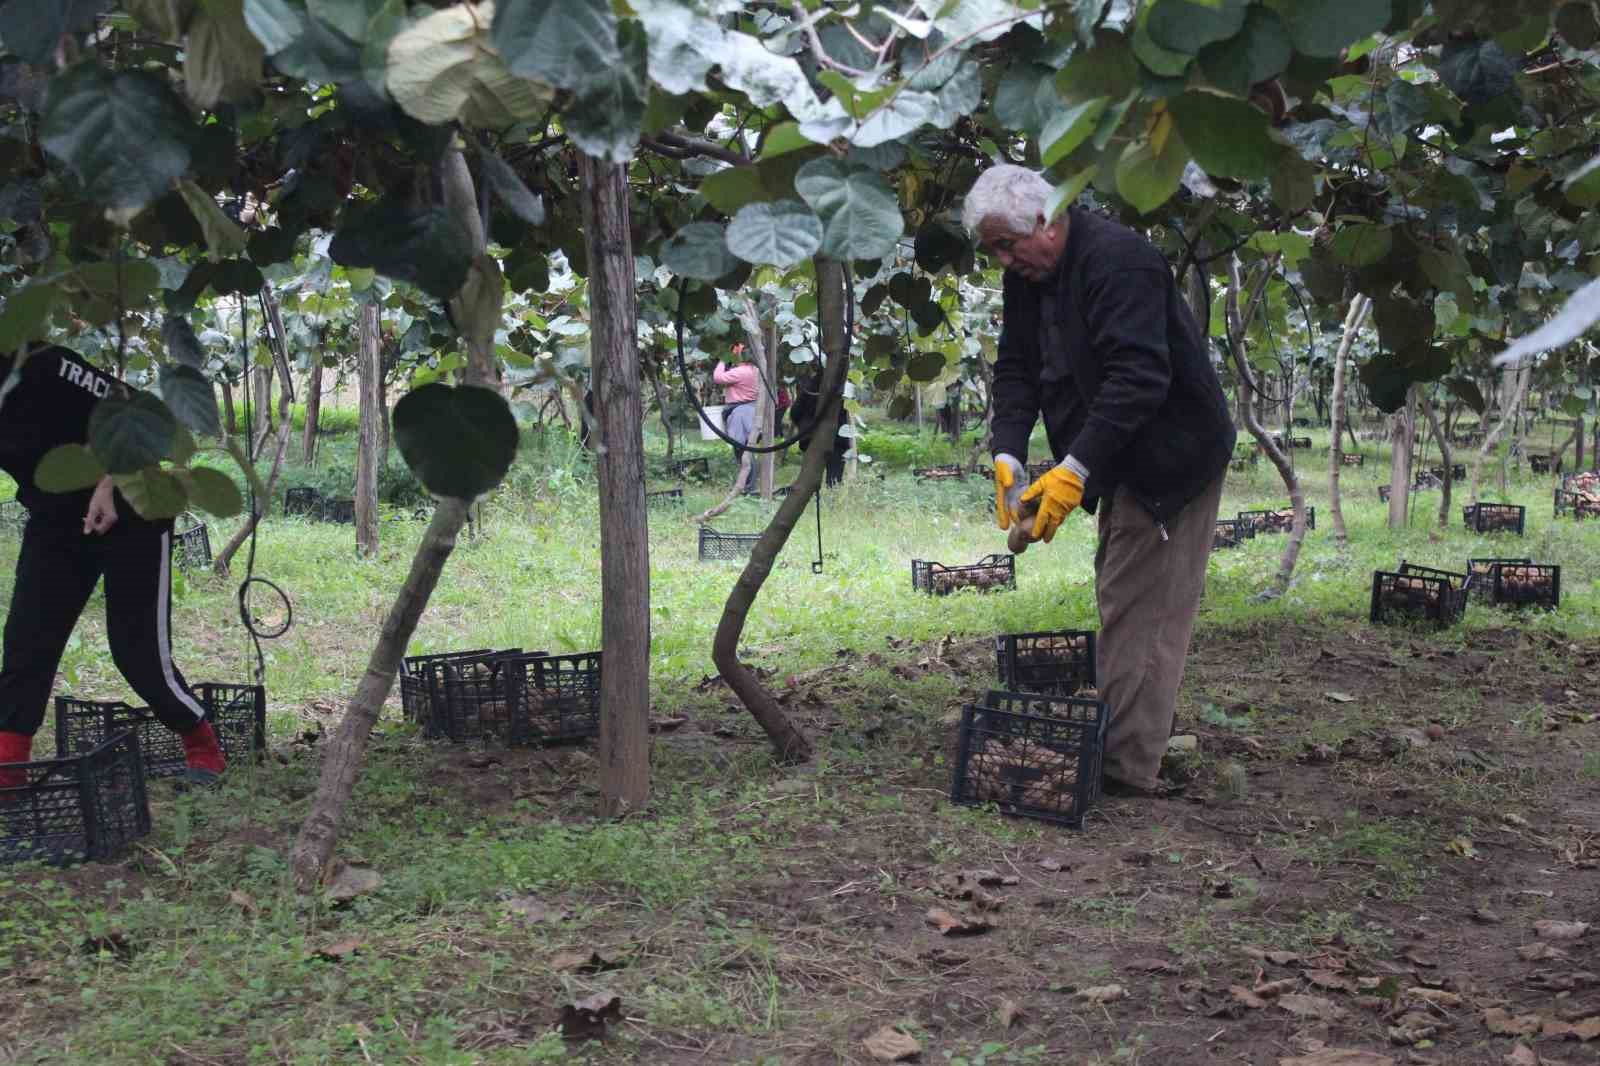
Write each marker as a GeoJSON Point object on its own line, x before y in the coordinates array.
{"type": "Point", "coordinates": [739, 384]}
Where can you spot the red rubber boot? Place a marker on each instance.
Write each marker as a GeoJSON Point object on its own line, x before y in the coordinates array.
{"type": "Point", "coordinates": [203, 755]}
{"type": "Point", "coordinates": [14, 748]}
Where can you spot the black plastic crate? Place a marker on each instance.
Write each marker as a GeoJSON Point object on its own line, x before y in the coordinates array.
{"type": "Point", "coordinates": [1427, 480]}
{"type": "Point", "coordinates": [943, 472]}
{"type": "Point", "coordinates": [1494, 517]}
{"type": "Point", "coordinates": [302, 501]}
{"type": "Point", "coordinates": [1581, 481]}
{"type": "Point", "coordinates": [238, 713]}
{"type": "Point", "coordinates": [1058, 663]}
{"type": "Point", "coordinates": [1579, 505]}
{"type": "Point", "coordinates": [339, 510]}
{"type": "Point", "coordinates": [1525, 585]}
{"type": "Point", "coordinates": [1480, 574]}
{"type": "Point", "coordinates": [698, 468]}
{"type": "Point", "coordinates": [419, 677]}
{"type": "Point", "coordinates": [518, 699]}
{"type": "Point", "coordinates": [80, 808]}
{"type": "Point", "coordinates": [1416, 596]}
{"type": "Point", "coordinates": [716, 546]}
{"type": "Point", "coordinates": [1352, 459]}
{"type": "Point", "coordinates": [191, 549]}
{"type": "Point", "coordinates": [664, 498]}
{"type": "Point", "coordinates": [1230, 533]}
{"type": "Point", "coordinates": [1539, 464]}
{"type": "Point", "coordinates": [1276, 521]}
{"type": "Point", "coordinates": [991, 573]}
{"type": "Point", "coordinates": [1040, 469]}
{"type": "Point", "coordinates": [1035, 756]}
{"type": "Point", "coordinates": [1458, 472]}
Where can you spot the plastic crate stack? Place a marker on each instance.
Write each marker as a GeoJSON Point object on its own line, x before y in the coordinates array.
{"type": "Point", "coordinates": [1279, 520]}
{"type": "Point", "coordinates": [506, 697]}
{"type": "Point", "coordinates": [716, 547]}
{"type": "Point", "coordinates": [313, 504]}
{"type": "Point", "coordinates": [79, 808]}
{"type": "Point", "coordinates": [1032, 755]}
{"type": "Point", "coordinates": [992, 573]}
{"type": "Point", "coordinates": [1515, 582]}
{"type": "Point", "coordinates": [1230, 533]}
{"type": "Point", "coordinates": [1418, 594]}
{"type": "Point", "coordinates": [237, 712]}
{"type": "Point", "coordinates": [945, 472]}
{"type": "Point", "coordinates": [191, 549]}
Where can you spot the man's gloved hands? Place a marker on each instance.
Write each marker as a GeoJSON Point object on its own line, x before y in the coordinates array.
{"type": "Point", "coordinates": [1010, 479]}
{"type": "Point", "coordinates": [1058, 493]}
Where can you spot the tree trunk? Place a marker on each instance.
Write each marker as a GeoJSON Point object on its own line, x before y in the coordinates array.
{"type": "Point", "coordinates": [476, 310]}
{"type": "Point", "coordinates": [1446, 456]}
{"type": "Point", "coordinates": [263, 503]}
{"type": "Point", "coordinates": [1359, 306]}
{"type": "Point", "coordinates": [761, 423]}
{"type": "Point", "coordinates": [1238, 321]}
{"type": "Point", "coordinates": [384, 433]}
{"type": "Point", "coordinates": [308, 440]}
{"type": "Point", "coordinates": [741, 478]}
{"type": "Point", "coordinates": [625, 548]}
{"type": "Point", "coordinates": [263, 405]}
{"type": "Point", "coordinates": [789, 744]}
{"type": "Point", "coordinates": [1577, 433]}
{"type": "Point", "coordinates": [661, 405]}
{"type": "Point", "coordinates": [369, 369]}
{"type": "Point", "coordinates": [1402, 437]}
{"type": "Point", "coordinates": [769, 416]}
{"type": "Point", "coordinates": [1512, 390]}
{"type": "Point", "coordinates": [229, 429]}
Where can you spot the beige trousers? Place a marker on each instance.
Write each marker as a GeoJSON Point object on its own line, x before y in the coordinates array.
{"type": "Point", "coordinates": [1148, 591]}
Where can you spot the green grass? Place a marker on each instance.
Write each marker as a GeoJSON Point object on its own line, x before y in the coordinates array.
{"type": "Point", "coordinates": [444, 967]}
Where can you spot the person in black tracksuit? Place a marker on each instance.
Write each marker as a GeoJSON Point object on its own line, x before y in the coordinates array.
{"type": "Point", "coordinates": [801, 414]}
{"type": "Point", "coordinates": [1097, 339]}
{"type": "Point", "coordinates": [70, 542]}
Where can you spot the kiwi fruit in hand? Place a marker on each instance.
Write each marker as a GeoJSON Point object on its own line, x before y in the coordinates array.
{"type": "Point", "coordinates": [1017, 539]}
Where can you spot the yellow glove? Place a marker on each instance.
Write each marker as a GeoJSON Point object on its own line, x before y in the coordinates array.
{"type": "Point", "coordinates": [1059, 493]}
{"type": "Point", "coordinates": [1009, 481]}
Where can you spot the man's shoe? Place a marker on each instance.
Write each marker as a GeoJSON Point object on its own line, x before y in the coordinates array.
{"type": "Point", "coordinates": [195, 777]}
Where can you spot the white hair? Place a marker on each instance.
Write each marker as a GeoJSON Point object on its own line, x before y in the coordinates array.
{"type": "Point", "coordinates": [1014, 195]}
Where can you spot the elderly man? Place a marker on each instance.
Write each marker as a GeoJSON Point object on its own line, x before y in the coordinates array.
{"type": "Point", "coordinates": [1097, 338]}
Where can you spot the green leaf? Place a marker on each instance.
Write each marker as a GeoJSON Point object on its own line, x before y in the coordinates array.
{"type": "Point", "coordinates": [1026, 98]}
{"type": "Point", "coordinates": [224, 238]}
{"type": "Point", "coordinates": [505, 184]}
{"type": "Point", "coordinates": [33, 28]}
{"type": "Point", "coordinates": [782, 139]}
{"type": "Point", "coordinates": [165, 18]}
{"type": "Point", "coordinates": [130, 433]}
{"type": "Point", "coordinates": [1403, 325]}
{"type": "Point", "coordinates": [190, 396]}
{"type": "Point", "coordinates": [458, 441]}
{"type": "Point", "coordinates": [236, 275]}
{"type": "Point", "coordinates": [699, 250]}
{"type": "Point", "coordinates": [425, 246]}
{"type": "Point", "coordinates": [1147, 180]}
{"type": "Point", "coordinates": [1187, 26]}
{"type": "Point", "coordinates": [730, 189]}
{"type": "Point", "coordinates": [1323, 27]}
{"type": "Point", "coordinates": [1258, 52]}
{"type": "Point", "coordinates": [214, 492]}
{"type": "Point", "coordinates": [1386, 381]}
{"type": "Point", "coordinates": [1583, 185]}
{"type": "Point", "coordinates": [441, 69]}
{"type": "Point", "coordinates": [126, 136]}
{"type": "Point", "coordinates": [1066, 194]}
{"type": "Point", "coordinates": [68, 468]}
{"type": "Point", "coordinates": [1164, 62]}
{"type": "Point", "coordinates": [153, 492]}
{"type": "Point", "coordinates": [221, 59]}
{"type": "Point", "coordinates": [558, 42]}
{"type": "Point", "coordinates": [928, 317]}
{"type": "Point", "coordinates": [860, 215]}
{"type": "Point", "coordinates": [177, 337]}
{"type": "Point", "coordinates": [938, 245]}
{"type": "Point", "coordinates": [1466, 390]}
{"type": "Point", "coordinates": [925, 366]}
{"type": "Point", "coordinates": [1294, 183]}
{"type": "Point", "coordinates": [27, 314]}
{"type": "Point", "coordinates": [1361, 244]}
{"type": "Point", "coordinates": [1069, 129]}
{"type": "Point", "coordinates": [1228, 137]}
{"type": "Point", "coordinates": [607, 115]}
{"type": "Point", "coordinates": [1478, 71]}
{"type": "Point", "coordinates": [302, 46]}
{"type": "Point", "coordinates": [781, 234]}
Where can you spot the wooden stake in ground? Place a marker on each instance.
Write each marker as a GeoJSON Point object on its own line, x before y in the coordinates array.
{"type": "Point", "coordinates": [1446, 456]}
{"type": "Point", "coordinates": [1359, 306]}
{"type": "Point", "coordinates": [1403, 434]}
{"type": "Point", "coordinates": [624, 535]}
{"type": "Point", "coordinates": [789, 744]}
{"type": "Point", "coordinates": [308, 438]}
{"type": "Point", "coordinates": [1238, 323]}
{"type": "Point", "coordinates": [369, 369]}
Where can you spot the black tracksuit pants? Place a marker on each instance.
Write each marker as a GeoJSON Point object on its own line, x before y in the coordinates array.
{"type": "Point", "coordinates": [57, 571]}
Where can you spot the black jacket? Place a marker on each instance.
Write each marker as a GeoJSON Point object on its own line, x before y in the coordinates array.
{"type": "Point", "coordinates": [1109, 352]}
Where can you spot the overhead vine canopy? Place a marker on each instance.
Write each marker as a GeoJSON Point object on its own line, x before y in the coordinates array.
{"type": "Point", "coordinates": [1440, 157]}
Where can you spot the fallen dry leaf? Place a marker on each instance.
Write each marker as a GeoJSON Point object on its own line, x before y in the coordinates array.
{"type": "Point", "coordinates": [1551, 929]}
{"type": "Point", "coordinates": [1438, 997]}
{"type": "Point", "coordinates": [579, 962]}
{"type": "Point", "coordinates": [1540, 952]}
{"type": "Point", "coordinates": [1329, 979]}
{"type": "Point", "coordinates": [353, 881]}
{"type": "Point", "coordinates": [1052, 866]}
{"type": "Point", "coordinates": [1101, 994]}
{"type": "Point", "coordinates": [1339, 1057]}
{"type": "Point", "coordinates": [1340, 697]}
{"type": "Point", "coordinates": [1243, 995]}
{"type": "Point", "coordinates": [528, 908]}
{"type": "Point", "coordinates": [1486, 916]}
{"type": "Point", "coordinates": [889, 1044]}
{"type": "Point", "coordinates": [1406, 1035]}
{"type": "Point", "coordinates": [245, 902]}
{"type": "Point", "coordinates": [1269, 989]}
{"type": "Point", "coordinates": [586, 1019]}
{"type": "Point", "coordinates": [1277, 958]}
{"type": "Point", "coordinates": [1586, 1030]}
{"type": "Point", "coordinates": [950, 925]}
{"type": "Point", "coordinates": [340, 950]}
{"type": "Point", "coordinates": [1521, 1055]}
{"type": "Point", "coordinates": [1463, 847]}
{"type": "Point", "coordinates": [1312, 1007]}
{"type": "Point", "coordinates": [987, 901]}
{"type": "Point", "coordinates": [1151, 966]}
{"type": "Point", "coordinates": [1010, 1011]}
{"type": "Point", "coordinates": [1501, 1022]}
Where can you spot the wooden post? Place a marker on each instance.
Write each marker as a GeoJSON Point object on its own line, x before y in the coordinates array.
{"type": "Point", "coordinates": [1401, 438]}
{"type": "Point", "coordinates": [768, 413]}
{"type": "Point", "coordinates": [308, 441]}
{"type": "Point", "coordinates": [1359, 307]}
{"type": "Point", "coordinates": [624, 545]}
{"type": "Point", "coordinates": [369, 369]}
